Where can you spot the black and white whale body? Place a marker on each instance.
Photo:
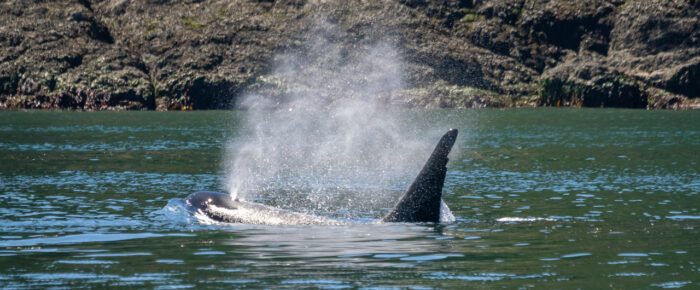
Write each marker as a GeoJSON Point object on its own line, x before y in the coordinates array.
{"type": "Point", "coordinates": [420, 203]}
{"type": "Point", "coordinates": [221, 207]}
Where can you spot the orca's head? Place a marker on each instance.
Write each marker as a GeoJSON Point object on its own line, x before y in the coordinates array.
{"type": "Point", "coordinates": [201, 200]}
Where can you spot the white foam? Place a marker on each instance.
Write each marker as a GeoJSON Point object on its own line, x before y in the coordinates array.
{"type": "Point", "coordinates": [446, 215]}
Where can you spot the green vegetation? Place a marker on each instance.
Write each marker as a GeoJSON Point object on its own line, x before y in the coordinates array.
{"type": "Point", "coordinates": [278, 16]}
{"type": "Point", "coordinates": [469, 17]}
{"type": "Point", "coordinates": [151, 27]}
{"type": "Point", "coordinates": [189, 22]}
{"type": "Point", "coordinates": [154, 89]}
{"type": "Point", "coordinates": [221, 12]}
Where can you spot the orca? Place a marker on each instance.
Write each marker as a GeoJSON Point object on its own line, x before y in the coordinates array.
{"type": "Point", "coordinates": [420, 204]}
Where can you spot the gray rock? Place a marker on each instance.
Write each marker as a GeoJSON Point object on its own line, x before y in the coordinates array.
{"type": "Point", "coordinates": [207, 54]}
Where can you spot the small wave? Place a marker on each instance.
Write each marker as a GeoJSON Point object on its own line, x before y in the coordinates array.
{"type": "Point", "coordinates": [524, 219]}
{"type": "Point", "coordinates": [174, 213]}
{"type": "Point", "coordinates": [430, 257]}
{"type": "Point", "coordinates": [576, 255]}
{"type": "Point", "coordinates": [672, 284]}
{"type": "Point", "coordinates": [82, 238]}
{"type": "Point", "coordinates": [87, 262]}
{"type": "Point", "coordinates": [683, 217]}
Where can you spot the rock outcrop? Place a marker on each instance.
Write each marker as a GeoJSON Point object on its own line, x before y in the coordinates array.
{"type": "Point", "coordinates": [207, 54]}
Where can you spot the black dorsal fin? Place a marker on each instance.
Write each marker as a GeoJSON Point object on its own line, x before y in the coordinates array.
{"type": "Point", "coordinates": [421, 203]}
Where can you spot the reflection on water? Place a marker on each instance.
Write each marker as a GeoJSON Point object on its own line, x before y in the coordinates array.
{"type": "Point", "coordinates": [81, 238]}
{"type": "Point", "coordinates": [541, 199]}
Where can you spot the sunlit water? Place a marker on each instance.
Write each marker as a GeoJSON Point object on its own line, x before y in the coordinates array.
{"type": "Point", "coordinates": [543, 198]}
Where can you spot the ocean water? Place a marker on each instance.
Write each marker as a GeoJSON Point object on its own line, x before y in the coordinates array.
{"type": "Point", "coordinates": [543, 198]}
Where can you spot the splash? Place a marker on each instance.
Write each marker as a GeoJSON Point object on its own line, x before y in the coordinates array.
{"type": "Point", "coordinates": [446, 215]}
{"type": "Point", "coordinates": [316, 130]}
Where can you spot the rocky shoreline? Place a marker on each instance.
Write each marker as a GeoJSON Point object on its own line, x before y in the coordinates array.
{"type": "Point", "coordinates": [208, 54]}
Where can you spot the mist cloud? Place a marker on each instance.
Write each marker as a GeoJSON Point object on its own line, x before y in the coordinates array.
{"type": "Point", "coordinates": [318, 134]}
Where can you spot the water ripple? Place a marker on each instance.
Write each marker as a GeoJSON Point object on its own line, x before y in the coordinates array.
{"type": "Point", "coordinates": [83, 238]}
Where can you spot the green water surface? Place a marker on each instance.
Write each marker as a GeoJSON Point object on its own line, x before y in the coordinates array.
{"type": "Point", "coordinates": [544, 198]}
